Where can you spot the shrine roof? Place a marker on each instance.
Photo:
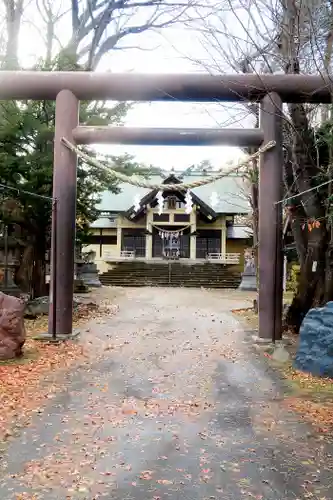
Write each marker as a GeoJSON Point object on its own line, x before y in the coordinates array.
{"type": "Point", "coordinates": [231, 191]}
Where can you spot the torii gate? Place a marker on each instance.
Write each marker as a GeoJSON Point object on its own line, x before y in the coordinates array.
{"type": "Point", "coordinates": [67, 88]}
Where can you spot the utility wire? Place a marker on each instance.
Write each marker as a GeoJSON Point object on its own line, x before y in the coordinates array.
{"type": "Point", "coordinates": [18, 191]}
{"type": "Point", "coordinates": [304, 192]}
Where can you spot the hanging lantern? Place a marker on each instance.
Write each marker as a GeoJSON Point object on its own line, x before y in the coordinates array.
{"type": "Point", "coordinates": [136, 203]}
{"type": "Point", "coordinates": [160, 202]}
{"type": "Point", "coordinates": [214, 199]}
{"type": "Point", "coordinates": [188, 202]}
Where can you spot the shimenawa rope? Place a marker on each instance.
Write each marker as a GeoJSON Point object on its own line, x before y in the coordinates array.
{"type": "Point", "coordinates": [135, 181]}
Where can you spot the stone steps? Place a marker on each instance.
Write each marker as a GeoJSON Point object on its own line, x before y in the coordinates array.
{"type": "Point", "coordinates": [172, 275]}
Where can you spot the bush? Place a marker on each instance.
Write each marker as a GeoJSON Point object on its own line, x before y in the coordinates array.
{"type": "Point", "coordinates": [292, 281]}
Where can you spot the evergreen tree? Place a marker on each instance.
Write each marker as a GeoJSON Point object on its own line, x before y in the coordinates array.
{"type": "Point", "coordinates": [26, 162]}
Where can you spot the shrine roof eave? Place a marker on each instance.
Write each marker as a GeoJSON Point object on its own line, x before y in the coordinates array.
{"type": "Point", "coordinates": [149, 198]}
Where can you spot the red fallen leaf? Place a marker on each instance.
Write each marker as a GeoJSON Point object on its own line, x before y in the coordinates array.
{"type": "Point", "coordinates": [21, 392]}
{"type": "Point", "coordinates": [127, 410]}
{"type": "Point", "coordinates": [146, 475]}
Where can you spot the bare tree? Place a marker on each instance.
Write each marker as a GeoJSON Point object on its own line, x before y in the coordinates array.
{"type": "Point", "coordinates": [287, 36]}
{"type": "Point", "coordinates": [86, 30]}
{"type": "Point", "coordinates": [100, 26]}
{"type": "Point", "coordinates": [13, 19]}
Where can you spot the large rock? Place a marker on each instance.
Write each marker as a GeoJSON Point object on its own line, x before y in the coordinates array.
{"type": "Point", "coordinates": [12, 330]}
{"type": "Point", "coordinates": [315, 349]}
{"type": "Point", "coordinates": [40, 306]}
{"type": "Point", "coordinates": [37, 307]}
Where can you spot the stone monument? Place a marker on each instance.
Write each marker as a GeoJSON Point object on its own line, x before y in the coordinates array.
{"type": "Point", "coordinates": [249, 276]}
{"type": "Point", "coordinates": [12, 330]}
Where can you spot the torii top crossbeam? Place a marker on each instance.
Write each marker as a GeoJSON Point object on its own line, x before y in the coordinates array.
{"type": "Point", "coordinates": [188, 87]}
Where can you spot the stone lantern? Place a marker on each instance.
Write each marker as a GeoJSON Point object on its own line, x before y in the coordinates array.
{"type": "Point", "coordinates": [249, 276]}
{"type": "Point", "coordinates": [87, 271]}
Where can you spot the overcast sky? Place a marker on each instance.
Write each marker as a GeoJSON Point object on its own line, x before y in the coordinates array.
{"type": "Point", "coordinates": [160, 54]}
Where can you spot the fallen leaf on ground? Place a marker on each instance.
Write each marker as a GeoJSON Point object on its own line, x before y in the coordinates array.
{"type": "Point", "coordinates": [318, 414]}
{"type": "Point", "coordinates": [22, 387]}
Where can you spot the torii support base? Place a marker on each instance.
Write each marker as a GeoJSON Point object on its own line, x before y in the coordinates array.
{"type": "Point", "coordinates": [270, 221]}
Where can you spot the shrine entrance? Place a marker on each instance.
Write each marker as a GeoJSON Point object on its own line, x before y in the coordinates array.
{"type": "Point", "coordinates": [171, 244]}
{"type": "Point", "coordinates": [68, 88]}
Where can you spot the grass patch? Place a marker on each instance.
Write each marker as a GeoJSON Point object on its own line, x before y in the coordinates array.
{"type": "Point", "coordinates": [308, 382]}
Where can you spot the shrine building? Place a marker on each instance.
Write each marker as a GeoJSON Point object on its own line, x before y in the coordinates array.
{"type": "Point", "coordinates": [206, 224]}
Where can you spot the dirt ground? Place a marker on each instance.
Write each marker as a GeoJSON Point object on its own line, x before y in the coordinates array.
{"type": "Point", "coordinates": [172, 403]}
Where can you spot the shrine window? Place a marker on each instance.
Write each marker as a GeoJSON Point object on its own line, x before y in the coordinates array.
{"type": "Point", "coordinates": [172, 202]}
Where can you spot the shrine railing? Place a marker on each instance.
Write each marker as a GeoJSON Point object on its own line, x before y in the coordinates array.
{"type": "Point", "coordinates": [124, 254]}
{"type": "Point", "coordinates": [224, 258]}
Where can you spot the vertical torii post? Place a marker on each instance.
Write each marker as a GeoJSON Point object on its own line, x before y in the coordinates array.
{"type": "Point", "coordinates": [270, 221]}
{"type": "Point", "coordinates": [64, 192]}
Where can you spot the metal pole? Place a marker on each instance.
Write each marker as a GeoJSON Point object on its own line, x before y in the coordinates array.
{"type": "Point", "coordinates": [53, 282]}
{"type": "Point", "coordinates": [285, 270]}
{"type": "Point", "coordinates": [6, 257]}
{"type": "Point", "coordinates": [64, 191]}
{"type": "Point", "coordinates": [270, 221]}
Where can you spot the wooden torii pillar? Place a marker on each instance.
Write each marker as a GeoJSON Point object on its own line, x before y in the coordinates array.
{"type": "Point", "coordinates": [270, 221]}
{"type": "Point", "coordinates": [64, 219]}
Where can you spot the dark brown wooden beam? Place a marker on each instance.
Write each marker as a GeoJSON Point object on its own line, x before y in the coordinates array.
{"type": "Point", "coordinates": [168, 136]}
{"type": "Point", "coordinates": [270, 221]}
{"type": "Point", "coordinates": [64, 191]}
{"type": "Point", "coordinates": [187, 87]}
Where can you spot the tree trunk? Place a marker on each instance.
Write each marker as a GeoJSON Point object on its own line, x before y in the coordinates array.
{"type": "Point", "coordinates": [312, 244]}
{"type": "Point", "coordinates": [38, 284]}
{"type": "Point", "coordinates": [312, 272]}
{"type": "Point", "coordinates": [24, 272]}
{"type": "Point", "coordinates": [310, 291]}
{"type": "Point", "coordinates": [31, 274]}
{"type": "Point", "coordinates": [14, 12]}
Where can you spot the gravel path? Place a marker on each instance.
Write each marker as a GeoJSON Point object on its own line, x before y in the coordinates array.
{"type": "Point", "coordinates": [172, 405]}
